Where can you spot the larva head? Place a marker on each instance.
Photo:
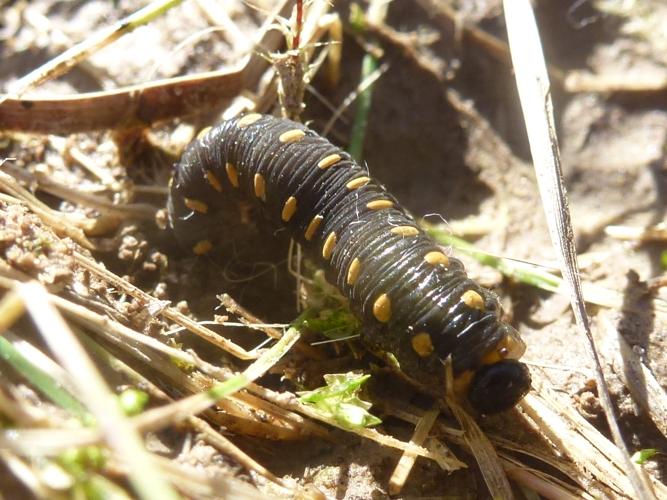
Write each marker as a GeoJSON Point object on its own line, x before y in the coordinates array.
{"type": "Point", "coordinates": [499, 386]}
{"type": "Point", "coordinates": [502, 381]}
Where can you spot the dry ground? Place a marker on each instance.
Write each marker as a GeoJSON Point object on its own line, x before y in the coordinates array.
{"type": "Point", "coordinates": [453, 148]}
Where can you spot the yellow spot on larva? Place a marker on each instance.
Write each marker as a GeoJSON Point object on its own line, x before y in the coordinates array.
{"type": "Point", "coordinates": [382, 308]}
{"type": "Point", "coordinates": [509, 347]}
{"type": "Point", "coordinates": [329, 244]}
{"type": "Point", "coordinates": [353, 271]}
{"type": "Point", "coordinates": [435, 258]}
{"type": "Point", "coordinates": [196, 205]}
{"type": "Point", "coordinates": [379, 204]}
{"type": "Point", "coordinates": [260, 187]}
{"type": "Point", "coordinates": [312, 227]}
{"type": "Point", "coordinates": [328, 161]}
{"type": "Point", "coordinates": [232, 174]}
{"type": "Point", "coordinates": [512, 347]}
{"type": "Point", "coordinates": [249, 119]}
{"type": "Point", "coordinates": [213, 180]}
{"type": "Point", "coordinates": [472, 299]}
{"type": "Point", "coordinates": [405, 230]}
{"type": "Point", "coordinates": [357, 183]}
{"type": "Point", "coordinates": [492, 357]}
{"type": "Point", "coordinates": [289, 209]}
{"type": "Point", "coordinates": [203, 132]}
{"type": "Point", "coordinates": [202, 247]}
{"type": "Point", "coordinates": [422, 344]}
{"type": "Point", "coordinates": [293, 135]}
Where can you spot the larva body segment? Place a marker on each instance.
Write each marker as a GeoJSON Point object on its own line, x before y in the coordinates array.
{"type": "Point", "coordinates": [416, 303]}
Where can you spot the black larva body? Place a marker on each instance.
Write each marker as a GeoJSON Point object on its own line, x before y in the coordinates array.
{"type": "Point", "coordinates": [416, 303]}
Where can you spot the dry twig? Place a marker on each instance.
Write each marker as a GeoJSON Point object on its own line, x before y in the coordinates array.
{"type": "Point", "coordinates": [534, 93]}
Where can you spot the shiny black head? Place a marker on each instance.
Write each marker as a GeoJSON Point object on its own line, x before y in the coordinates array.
{"type": "Point", "coordinates": [499, 386]}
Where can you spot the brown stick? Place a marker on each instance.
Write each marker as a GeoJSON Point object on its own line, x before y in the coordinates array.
{"type": "Point", "coordinates": [125, 107]}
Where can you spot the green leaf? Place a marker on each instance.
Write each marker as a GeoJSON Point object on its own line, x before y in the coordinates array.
{"type": "Point", "coordinates": [98, 487]}
{"type": "Point", "coordinates": [132, 401]}
{"type": "Point", "coordinates": [641, 456]}
{"type": "Point", "coordinates": [357, 18]}
{"type": "Point", "coordinates": [79, 462]}
{"type": "Point", "coordinates": [43, 381]}
{"type": "Point", "coordinates": [663, 259]}
{"type": "Point", "coordinates": [334, 323]}
{"type": "Point", "coordinates": [517, 270]}
{"type": "Point", "coordinates": [339, 400]}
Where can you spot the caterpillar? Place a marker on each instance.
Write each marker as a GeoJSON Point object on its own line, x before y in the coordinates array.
{"type": "Point", "coordinates": [416, 303]}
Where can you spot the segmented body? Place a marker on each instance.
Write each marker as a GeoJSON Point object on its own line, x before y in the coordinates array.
{"type": "Point", "coordinates": [416, 302]}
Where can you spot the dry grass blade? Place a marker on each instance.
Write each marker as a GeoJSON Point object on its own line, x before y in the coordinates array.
{"type": "Point", "coordinates": [449, 18]}
{"type": "Point", "coordinates": [108, 209]}
{"type": "Point", "coordinates": [11, 309]}
{"type": "Point", "coordinates": [166, 311]}
{"type": "Point", "coordinates": [14, 410]}
{"type": "Point", "coordinates": [117, 332]}
{"type": "Point", "coordinates": [47, 442]}
{"type": "Point", "coordinates": [95, 394]}
{"type": "Point", "coordinates": [444, 458]}
{"type": "Point", "coordinates": [197, 484]}
{"type": "Point", "coordinates": [532, 480]}
{"type": "Point", "coordinates": [205, 430]}
{"type": "Point", "coordinates": [550, 419]}
{"type": "Point", "coordinates": [639, 234]}
{"type": "Point", "coordinates": [484, 452]}
{"type": "Point", "coordinates": [139, 346]}
{"type": "Point", "coordinates": [598, 461]}
{"type": "Point", "coordinates": [581, 81]}
{"type": "Point", "coordinates": [407, 461]}
{"type": "Point", "coordinates": [55, 441]}
{"type": "Point", "coordinates": [51, 441]}
{"type": "Point", "coordinates": [67, 60]}
{"type": "Point", "coordinates": [364, 85]}
{"type": "Point", "coordinates": [220, 442]}
{"type": "Point", "coordinates": [251, 321]}
{"type": "Point", "coordinates": [543, 483]}
{"type": "Point", "coordinates": [217, 16]}
{"type": "Point", "coordinates": [199, 402]}
{"type": "Point", "coordinates": [25, 474]}
{"type": "Point", "coordinates": [534, 93]}
{"type": "Point", "coordinates": [59, 222]}
{"type": "Point", "coordinates": [136, 105]}
{"type": "Point", "coordinates": [246, 317]}
{"type": "Point", "coordinates": [480, 446]}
